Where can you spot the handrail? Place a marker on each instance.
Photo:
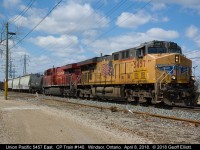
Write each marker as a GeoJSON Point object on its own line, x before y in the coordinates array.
{"type": "Point", "coordinates": [160, 76]}
{"type": "Point", "coordinates": [77, 79]}
{"type": "Point", "coordinates": [166, 75]}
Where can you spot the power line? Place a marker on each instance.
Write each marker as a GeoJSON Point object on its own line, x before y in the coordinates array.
{"type": "Point", "coordinates": [37, 24]}
{"type": "Point", "coordinates": [118, 6]}
{"type": "Point", "coordinates": [192, 51]}
{"type": "Point", "coordinates": [23, 11]}
{"type": "Point", "coordinates": [80, 23]}
{"type": "Point", "coordinates": [129, 6]}
{"type": "Point", "coordinates": [195, 58]}
{"type": "Point", "coordinates": [111, 10]}
{"type": "Point", "coordinates": [119, 23]}
{"type": "Point", "coordinates": [122, 21]}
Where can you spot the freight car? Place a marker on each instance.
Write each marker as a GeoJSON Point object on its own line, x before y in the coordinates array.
{"type": "Point", "coordinates": [10, 84]}
{"type": "Point", "coordinates": [1, 86]}
{"type": "Point", "coordinates": [28, 83]}
{"type": "Point", "coordinates": [154, 72]}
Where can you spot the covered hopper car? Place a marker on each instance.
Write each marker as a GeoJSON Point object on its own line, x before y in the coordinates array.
{"type": "Point", "coordinates": [1, 85]}
{"type": "Point", "coordinates": [27, 83]}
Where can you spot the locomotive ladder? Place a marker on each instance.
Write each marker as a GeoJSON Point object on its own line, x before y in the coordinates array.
{"type": "Point", "coordinates": [159, 82]}
{"type": "Point", "coordinates": [165, 76]}
{"type": "Point", "coordinates": [76, 81]}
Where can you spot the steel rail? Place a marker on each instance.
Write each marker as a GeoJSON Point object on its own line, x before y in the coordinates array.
{"type": "Point", "coordinates": [116, 109]}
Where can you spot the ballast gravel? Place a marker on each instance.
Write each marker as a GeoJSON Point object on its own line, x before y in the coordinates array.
{"type": "Point", "coordinates": [127, 124]}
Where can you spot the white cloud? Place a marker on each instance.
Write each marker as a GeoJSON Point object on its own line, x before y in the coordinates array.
{"type": "Point", "coordinates": [39, 62]}
{"type": "Point", "coordinates": [50, 41]}
{"type": "Point", "coordinates": [194, 56]}
{"type": "Point", "coordinates": [90, 34]}
{"type": "Point", "coordinates": [194, 34]}
{"type": "Point", "coordinates": [2, 16]}
{"type": "Point", "coordinates": [50, 61]}
{"type": "Point", "coordinates": [67, 18]}
{"type": "Point", "coordinates": [165, 19]}
{"type": "Point", "coordinates": [158, 6]}
{"type": "Point", "coordinates": [60, 46]}
{"type": "Point", "coordinates": [10, 3]}
{"type": "Point", "coordinates": [161, 33]}
{"type": "Point", "coordinates": [186, 4]}
{"type": "Point", "coordinates": [192, 31]}
{"type": "Point", "coordinates": [130, 20]}
{"type": "Point", "coordinates": [132, 40]}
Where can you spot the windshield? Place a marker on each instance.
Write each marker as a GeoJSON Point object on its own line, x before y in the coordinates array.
{"type": "Point", "coordinates": [175, 50]}
{"type": "Point", "coordinates": [154, 50]}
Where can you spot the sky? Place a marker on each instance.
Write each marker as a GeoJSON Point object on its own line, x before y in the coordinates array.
{"type": "Point", "coordinates": [59, 32]}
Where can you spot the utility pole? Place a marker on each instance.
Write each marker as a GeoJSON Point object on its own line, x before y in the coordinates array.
{"type": "Point", "coordinates": [6, 71]}
{"type": "Point", "coordinates": [10, 66]}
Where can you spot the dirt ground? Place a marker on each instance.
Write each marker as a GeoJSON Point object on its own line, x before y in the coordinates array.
{"type": "Point", "coordinates": [50, 122]}
{"type": "Point", "coordinates": [22, 122]}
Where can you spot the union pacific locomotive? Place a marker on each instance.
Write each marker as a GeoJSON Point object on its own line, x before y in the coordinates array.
{"type": "Point", "coordinates": [154, 72]}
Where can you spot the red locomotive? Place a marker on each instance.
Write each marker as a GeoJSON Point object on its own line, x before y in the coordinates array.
{"type": "Point", "coordinates": [58, 81]}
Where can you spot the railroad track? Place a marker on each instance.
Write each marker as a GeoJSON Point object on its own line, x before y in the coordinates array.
{"type": "Point", "coordinates": [116, 109]}
{"type": "Point", "coordinates": [191, 109]}
{"type": "Point", "coordinates": [26, 96]}
{"type": "Point", "coordinates": [183, 108]}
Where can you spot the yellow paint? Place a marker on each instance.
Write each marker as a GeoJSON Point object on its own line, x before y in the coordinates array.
{"type": "Point", "coordinates": [134, 71]}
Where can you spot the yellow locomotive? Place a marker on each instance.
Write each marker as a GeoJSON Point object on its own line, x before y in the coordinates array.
{"type": "Point", "coordinates": [153, 72]}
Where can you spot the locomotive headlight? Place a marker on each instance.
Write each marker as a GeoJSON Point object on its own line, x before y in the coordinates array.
{"type": "Point", "coordinates": [176, 58]}
{"type": "Point", "coordinates": [192, 78]}
{"type": "Point", "coordinates": [173, 77]}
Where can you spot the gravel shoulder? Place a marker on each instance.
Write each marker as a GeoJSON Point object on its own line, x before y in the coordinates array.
{"type": "Point", "coordinates": [22, 122]}
{"type": "Point", "coordinates": [37, 120]}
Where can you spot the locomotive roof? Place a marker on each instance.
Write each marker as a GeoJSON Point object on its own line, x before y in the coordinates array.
{"type": "Point", "coordinates": [146, 44]}
{"type": "Point", "coordinates": [69, 66]}
{"type": "Point", "coordinates": [163, 43]}
{"type": "Point", "coordinates": [65, 67]}
{"type": "Point", "coordinates": [87, 62]}
{"type": "Point", "coordinates": [105, 57]}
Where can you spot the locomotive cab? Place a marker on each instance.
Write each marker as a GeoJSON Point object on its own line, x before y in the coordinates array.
{"type": "Point", "coordinates": [174, 84]}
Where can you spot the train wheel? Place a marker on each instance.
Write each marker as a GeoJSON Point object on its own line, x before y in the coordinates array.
{"type": "Point", "coordinates": [148, 100]}
{"type": "Point", "coordinates": [167, 101]}
{"type": "Point", "coordinates": [136, 101]}
{"type": "Point", "coordinates": [187, 102]}
{"type": "Point", "coordinates": [192, 100]}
